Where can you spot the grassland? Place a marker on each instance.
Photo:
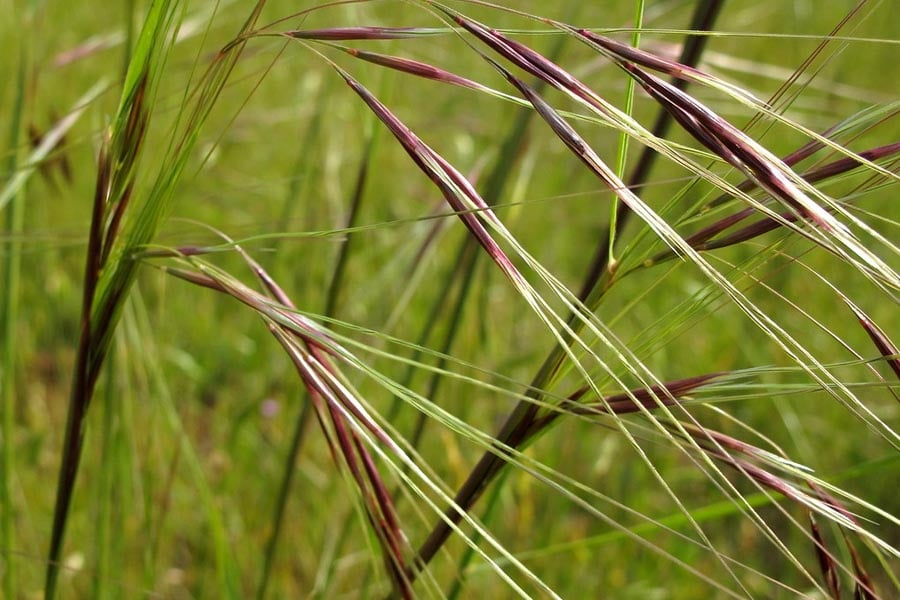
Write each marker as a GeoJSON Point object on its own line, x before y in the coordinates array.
{"type": "Point", "coordinates": [242, 306]}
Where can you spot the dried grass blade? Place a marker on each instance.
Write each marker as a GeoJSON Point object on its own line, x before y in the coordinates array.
{"type": "Point", "coordinates": [48, 142]}
{"type": "Point", "coordinates": [59, 162]}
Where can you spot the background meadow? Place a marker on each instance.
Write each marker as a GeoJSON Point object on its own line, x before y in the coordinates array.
{"type": "Point", "coordinates": [302, 335]}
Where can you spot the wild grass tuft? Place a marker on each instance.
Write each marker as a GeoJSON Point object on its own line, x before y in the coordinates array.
{"type": "Point", "coordinates": [576, 311]}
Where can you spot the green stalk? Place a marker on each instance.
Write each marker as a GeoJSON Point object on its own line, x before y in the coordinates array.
{"type": "Point", "coordinates": [12, 250]}
{"type": "Point", "coordinates": [109, 446]}
{"type": "Point", "coordinates": [340, 266]}
{"type": "Point", "coordinates": [128, 42]}
{"type": "Point", "coordinates": [467, 255]}
{"type": "Point", "coordinates": [622, 154]}
{"type": "Point", "coordinates": [303, 171]}
{"type": "Point", "coordinates": [705, 14]}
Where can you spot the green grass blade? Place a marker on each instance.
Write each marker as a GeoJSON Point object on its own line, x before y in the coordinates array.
{"type": "Point", "coordinates": [94, 343]}
{"type": "Point", "coordinates": [622, 152]}
{"type": "Point", "coordinates": [9, 317]}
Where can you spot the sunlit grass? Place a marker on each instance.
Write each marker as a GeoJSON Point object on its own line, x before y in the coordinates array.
{"type": "Point", "coordinates": [423, 300]}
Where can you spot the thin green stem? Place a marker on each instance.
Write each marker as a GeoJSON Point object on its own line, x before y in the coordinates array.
{"type": "Point", "coordinates": [704, 18]}
{"type": "Point", "coordinates": [9, 302]}
{"type": "Point", "coordinates": [303, 171]}
{"type": "Point", "coordinates": [622, 154]}
{"type": "Point", "coordinates": [340, 265]}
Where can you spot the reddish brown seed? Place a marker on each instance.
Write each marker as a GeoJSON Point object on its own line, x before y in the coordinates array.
{"type": "Point", "coordinates": [884, 344]}
{"type": "Point", "coordinates": [356, 33]}
{"type": "Point", "coordinates": [826, 561]}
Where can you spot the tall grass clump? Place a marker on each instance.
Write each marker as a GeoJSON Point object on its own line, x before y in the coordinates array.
{"type": "Point", "coordinates": [567, 300]}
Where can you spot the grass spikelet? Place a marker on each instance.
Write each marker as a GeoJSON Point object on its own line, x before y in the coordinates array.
{"type": "Point", "coordinates": [356, 33]}
{"type": "Point", "coordinates": [115, 175]}
{"type": "Point", "coordinates": [338, 412]}
{"type": "Point", "coordinates": [863, 589]}
{"type": "Point", "coordinates": [708, 238]}
{"type": "Point", "coordinates": [519, 422]}
{"type": "Point", "coordinates": [668, 394]}
{"type": "Point", "coordinates": [414, 67]}
{"type": "Point", "coordinates": [826, 561]}
{"type": "Point", "coordinates": [887, 348]}
{"type": "Point", "coordinates": [458, 192]}
{"type": "Point", "coordinates": [727, 142]}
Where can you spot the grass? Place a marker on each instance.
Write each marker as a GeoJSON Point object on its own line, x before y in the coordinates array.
{"type": "Point", "coordinates": [561, 307]}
